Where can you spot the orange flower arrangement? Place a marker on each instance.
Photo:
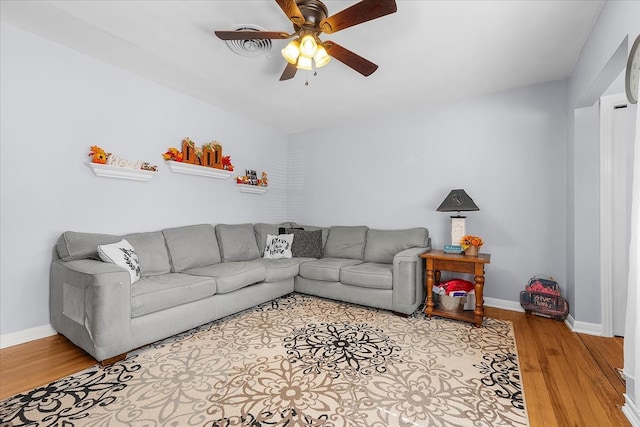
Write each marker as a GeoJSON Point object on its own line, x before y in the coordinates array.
{"type": "Point", "coordinates": [469, 240]}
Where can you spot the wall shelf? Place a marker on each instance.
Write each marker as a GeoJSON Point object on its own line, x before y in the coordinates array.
{"type": "Point", "coordinates": [190, 169]}
{"type": "Point", "coordinates": [244, 188]}
{"type": "Point", "coordinates": [109, 171]}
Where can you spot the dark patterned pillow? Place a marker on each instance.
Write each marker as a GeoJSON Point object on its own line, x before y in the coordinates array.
{"type": "Point", "coordinates": [306, 244]}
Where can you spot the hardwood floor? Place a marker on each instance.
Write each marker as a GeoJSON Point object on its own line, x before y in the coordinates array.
{"type": "Point", "coordinates": [569, 379]}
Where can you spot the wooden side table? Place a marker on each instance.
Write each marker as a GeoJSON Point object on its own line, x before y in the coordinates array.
{"type": "Point", "coordinates": [438, 261]}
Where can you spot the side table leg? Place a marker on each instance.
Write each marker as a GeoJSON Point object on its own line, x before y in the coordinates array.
{"type": "Point", "coordinates": [478, 313]}
{"type": "Point", "coordinates": [428, 307]}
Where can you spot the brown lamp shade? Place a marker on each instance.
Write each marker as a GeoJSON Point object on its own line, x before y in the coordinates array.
{"type": "Point", "coordinates": [457, 201]}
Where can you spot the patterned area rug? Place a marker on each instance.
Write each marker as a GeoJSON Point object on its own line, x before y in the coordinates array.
{"type": "Point", "coordinates": [297, 361]}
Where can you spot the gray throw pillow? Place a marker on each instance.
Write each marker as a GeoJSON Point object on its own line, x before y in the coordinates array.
{"type": "Point", "coordinates": [306, 244]}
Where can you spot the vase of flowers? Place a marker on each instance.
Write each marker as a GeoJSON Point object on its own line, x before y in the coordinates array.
{"type": "Point", "coordinates": [471, 244]}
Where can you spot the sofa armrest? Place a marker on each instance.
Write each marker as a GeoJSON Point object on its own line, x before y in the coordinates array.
{"type": "Point", "coordinates": [90, 303]}
{"type": "Point", "coordinates": [408, 280]}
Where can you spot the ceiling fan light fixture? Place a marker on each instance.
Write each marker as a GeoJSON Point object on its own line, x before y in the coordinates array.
{"type": "Point", "coordinates": [308, 46]}
{"type": "Point", "coordinates": [321, 57]}
{"type": "Point", "coordinates": [291, 51]}
{"type": "Point", "coordinates": [304, 63]}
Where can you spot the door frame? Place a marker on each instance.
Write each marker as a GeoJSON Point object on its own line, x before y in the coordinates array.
{"type": "Point", "coordinates": [607, 105]}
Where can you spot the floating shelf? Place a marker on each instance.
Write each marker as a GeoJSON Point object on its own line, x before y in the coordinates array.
{"type": "Point", "coordinates": [190, 169]}
{"type": "Point", "coordinates": [120, 172]}
{"type": "Point", "coordinates": [244, 188]}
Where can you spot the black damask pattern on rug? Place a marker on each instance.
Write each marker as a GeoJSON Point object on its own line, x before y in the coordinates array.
{"type": "Point", "coordinates": [68, 401]}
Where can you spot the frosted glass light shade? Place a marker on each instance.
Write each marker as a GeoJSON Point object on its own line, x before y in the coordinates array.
{"type": "Point", "coordinates": [291, 51]}
{"type": "Point", "coordinates": [321, 58]}
{"type": "Point", "coordinates": [304, 63]}
{"type": "Point", "coordinates": [308, 46]}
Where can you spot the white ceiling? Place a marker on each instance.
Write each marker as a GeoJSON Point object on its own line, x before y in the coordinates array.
{"type": "Point", "coordinates": [428, 52]}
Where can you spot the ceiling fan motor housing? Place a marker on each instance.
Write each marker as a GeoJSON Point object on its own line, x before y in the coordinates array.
{"type": "Point", "coordinates": [314, 11]}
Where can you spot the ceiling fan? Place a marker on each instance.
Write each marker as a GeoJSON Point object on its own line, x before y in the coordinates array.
{"type": "Point", "coordinates": [310, 19]}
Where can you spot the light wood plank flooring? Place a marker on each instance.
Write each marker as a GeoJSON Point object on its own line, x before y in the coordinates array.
{"type": "Point", "coordinates": [569, 379]}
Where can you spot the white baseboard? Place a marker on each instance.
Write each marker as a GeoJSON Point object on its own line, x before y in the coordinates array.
{"type": "Point", "coordinates": [574, 325]}
{"type": "Point", "coordinates": [583, 327]}
{"type": "Point", "coordinates": [503, 304]}
{"type": "Point", "coordinates": [26, 335]}
{"type": "Point", "coordinates": [631, 411]}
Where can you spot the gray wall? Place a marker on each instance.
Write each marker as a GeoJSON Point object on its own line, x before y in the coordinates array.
{"type": "Point", "coordinates": [55, 104]}
{"type": "Point", "coordinates": [507, 150]}
{"type": "Point", "coordinates": [603, 58]}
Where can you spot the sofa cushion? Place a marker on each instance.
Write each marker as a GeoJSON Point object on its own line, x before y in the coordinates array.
{"type": "Point", "coordinates": [73, 245]}
{"type": "Point", "coordinates": [237, 242]}
{"type": "Point", "coordinates": [306, 244]}
{"type": "Point", "coordinates": [192, 246]}
{"type": "Point", "coordinates": [232, 275]}
{"type": "Point", "coordinates": [383, 245]}
{"type": "Point", "coordinates": [278, 246]}
{"type": "Point", "coordinates": [346, 242]}
{"type": "Point", "coordinates": [368, 275]}
{"type": "Point", "coordinates": [281, 269]}
{"type": "Point", "coordinates": [155, 293]}
{"type": "Point", "coordinates": [327, 269]}
{"type": "Point", "coordinates": [123, 255]}
{"type": "Point", "coordinates": [152, 252]}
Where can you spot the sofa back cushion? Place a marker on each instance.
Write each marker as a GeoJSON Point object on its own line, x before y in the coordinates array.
{"type": "Point", "coordinates": [192, 246]}
{"type": "Point", "coordinates": [152, 252]}
{"type": "Point", "coordinates": [72, 245]}
{"type": "Point", "coordinates": [383, 245]}
{"type": "Point", "coordinates": [237, 242]}
{"type": "Point", "coordinates": [346, 242]}
{"type": "Point", "coordinates": [261, 230]}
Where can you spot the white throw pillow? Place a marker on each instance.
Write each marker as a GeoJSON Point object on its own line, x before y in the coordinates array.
{"type": "Point", "coordinates": [278, 246]}
{"type": "Point", "coordinates": [121, 254]}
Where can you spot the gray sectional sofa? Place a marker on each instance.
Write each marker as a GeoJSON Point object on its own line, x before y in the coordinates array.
{"type": "Point", "coordinates": [195, 274]}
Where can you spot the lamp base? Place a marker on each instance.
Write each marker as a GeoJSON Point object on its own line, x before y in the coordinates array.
{"type": "Point", "coordinates": [458, 229]}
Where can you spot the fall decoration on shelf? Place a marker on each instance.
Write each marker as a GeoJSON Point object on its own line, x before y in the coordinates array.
{"type": "Point", "coordinates": [98, 155]}
{"type": "Point", "coordinates": [209, 155]}
{"type": "Point", "coordinates": [226, 163]}
{"type": "Point", "coordinates": [251, 178]}
{"type": "Point", "coordinates": [173, 154]}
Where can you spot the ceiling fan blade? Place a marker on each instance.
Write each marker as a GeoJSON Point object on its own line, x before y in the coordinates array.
{"type": "Point", "coordinates": [350, 59]}
{"type": "Point", "coordinates": [290, 8]}
{"type": "Point", "coordinates": [364, 11]}
{"type": "Point", "coordinates": [248, 35]}
{"type": "Point", "coordinates": [289, 72]}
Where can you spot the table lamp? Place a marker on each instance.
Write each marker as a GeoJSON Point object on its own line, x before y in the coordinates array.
{"type": "Point", "coordinates": [457, 201]}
